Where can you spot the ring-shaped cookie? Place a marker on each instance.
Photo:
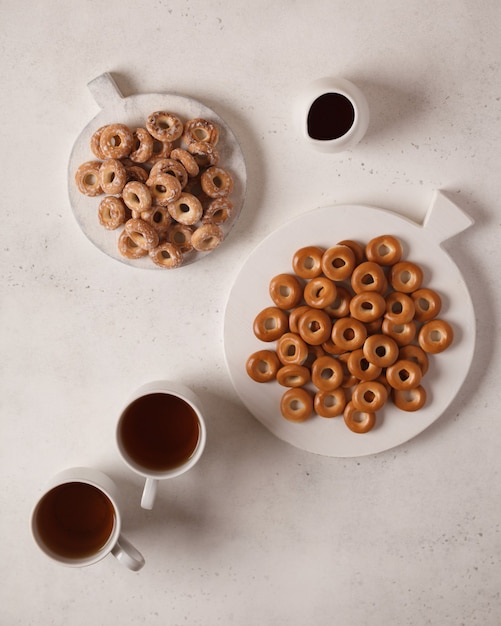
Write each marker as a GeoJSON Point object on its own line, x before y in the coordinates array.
{"type": "Point", "coordinates": [381, 350]}
{"type": "Point", "coordinates": [262, 366]}
{"type": "Point", "coordinates": [307, 262]}
{"type": "Point", "coordinates": [404, 374]}
{"type": "Point", "coordinates": [361, 368]}
{"type": "Point", "coordinates": [87, 178]}
{"type": "Point", "coordinates": [399, 307]}
{"type": "Point", "coordinates": [216, 182]}
{"type": "Point", "coordinates": [199, 129]}
{"type": "Point", "coordinates": [291, 349]}
{"type": "Point", "coordinates": [111, 212]}
{"type": "Point", "coordinates": [409, 399]}
{"type": "Point", "coordinates": [293, 375]}
{"type": "Point", "coordinates": [142, 147]}
{"type": "Point", "coordinates": [414, 353]}
{"type": "Point", "coordinates": [338, 262]}
{"type": "Point", "coordinates": [137, 196]}
{"type": "Point", "coordinates": [296, 404]}
{"type": "Point", "coordinates": [427, 304]}
{"type": "Point", "coordinates": [186, 209]}
{"type": "Point", "coordinates": [403, 334]}
{"type": "Point", "coordinates": [385, 250]}
{"type": "Point", "coordinates": [166, 255]}
{"type": "Point", "coordinates": [285, 290]}
{"type": "Point", "coordinates": [314, 326]}
{"type": "Point", "coordinates": [329, 403]}
{"type": "Point", "coordinates": [368, 276]}
{"type": "Point", "coordinates": [116, 141]}
{"type": "Point", "coordinates": [128, 248]}
{"type": "Point", "coordinates": [369, 396]}
{"type": "Point", "coordinates": [435, 336]}
{"type": "Point", "coordinates": [406, 276]}
{"type": "Point", "coordinates": [348, 333]}
{"type": "Point", "coordinates": [164, 188]}
{"type": "Point", "coordinates": [112, 176]}
{"type": "Point", "coordinates": [367, 306]}
{"type": "Point", "coordinates": [327, 373]}
{"type": "Point", "coordinates": [142, 233]}
{"type": "Point", "coordinates": [358, 421]}
{"type": "Point", "coordinates": [320, 292]}
{"type": "Point", "coordinates": [164, 126]}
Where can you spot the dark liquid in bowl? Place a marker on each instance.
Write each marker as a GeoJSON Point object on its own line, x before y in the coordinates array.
{"type": "Point", "coordinates": [330, 117]}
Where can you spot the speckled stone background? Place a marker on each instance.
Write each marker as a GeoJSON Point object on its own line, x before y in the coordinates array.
{"type": "Point", "coordinates": [260, 532]}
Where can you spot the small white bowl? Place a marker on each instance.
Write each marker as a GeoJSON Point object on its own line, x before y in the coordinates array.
{"type": "Point", "coordinates": [333, 114]}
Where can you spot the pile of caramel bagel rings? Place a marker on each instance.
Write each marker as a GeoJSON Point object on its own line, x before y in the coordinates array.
{"type": "Point", "coordinates": [352, 328]}
{"type": "Point", "coordinates": [164, 188]}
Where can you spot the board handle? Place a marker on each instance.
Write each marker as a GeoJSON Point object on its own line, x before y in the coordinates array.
{"type": "Point", "coordinates": [445, 219]}
{"type": "Point", "coordinates": [104, 90]}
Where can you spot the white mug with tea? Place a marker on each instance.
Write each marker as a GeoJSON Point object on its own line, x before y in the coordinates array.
{"type": "Point", "coordinates": [77, 522]}
{"type": "Point", "coordinates": [161, 434]}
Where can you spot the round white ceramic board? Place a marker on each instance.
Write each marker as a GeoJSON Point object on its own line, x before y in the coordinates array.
{"type": "Point", "coordinates": [133, 111]}
{"type": "Point", "coordinates": [325, 227]}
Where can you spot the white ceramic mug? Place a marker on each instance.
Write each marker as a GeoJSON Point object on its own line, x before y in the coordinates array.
{"type": "Point", "coordinates": [77, 521]}
{"type": "Point", "coordinates": [161, 434]}
{"type": "Point", "coordinates": [333, 114]}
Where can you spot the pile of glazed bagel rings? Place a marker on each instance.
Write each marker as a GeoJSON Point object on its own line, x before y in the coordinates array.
{"type": "Point", "coordinates": [163, 187]}
{"type": "Point", "coordinates": [352, 327]}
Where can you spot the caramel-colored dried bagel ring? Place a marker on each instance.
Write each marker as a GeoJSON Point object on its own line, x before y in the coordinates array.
{"type": "Point", "coordinates": [116, 141]}
{"type": "Point", "coordinates": [270, 324]}
{"type": "Point", "coordinates": [320, 292]}
{"type": "Point", "coordinates": [87, 178]}
{"type": "Point", "coordinates": [357, 249]}
{"type": "Point", "coordinates": [216, 182]}
{"type": "Point", "coordinates": [207, 237]}
{"type": "Point", "coordinates": [381, 350]}
{"type": "Point", "coordinates": [164, 188]}
{"type": "Point", "coordinates": [293, 375]}
{"type": "Point", "coordinates": [166, 255]}
{"type": "Point", "coordinates": [338, 262]}
{"type": "Point", "coordinates": [128, 248]}
{"type": "Point", "coordinates": [143, 146]}
{"type": "Point", "coordinates": [307, 262]}
{"type": "Point", "coordinates": [349, 380]}
{"type": "Point", "coordinates": [111, 212]}
{"type": "Point", "coordinates": [199, 129]}
{"type": "Point", "coordinates": [399, 307]}
{"type": "Point", "coordinates": [205, 154]}
{"type": "Point", "coordinates": [329, 403]}
{"type": "Point", "coordinates": [285, 290]}
{"type": "Point", "coordinates": [137, 196]}
{"type": "Point", "coordinates": [358, 421]}
{"type": "Point", "coordinates": [327, 373]}
{"type": "Point", "coordinates": [294, 316]}
{"type": "Point", "coordinates": [187, 160]}
{"type": "Point", "coordinates": [404, 374]}
{"type": "Point", "coordinates": [296, 405]}
{"type": "Point", "coordinates": [112, 176]}
{"type": "Point", "coordinates": [219, 211]}
{"type": "Point", "coordinates": [368, 276]}
{"type": "Point", "coordinates": [187, 209]}
{"type": "Point", "coordinates": [403, 334]}
{"type": "Point", "coordinates": [291, 349]}
{"type": "Point", "coordinates": [164, 126]}
{"type": "Point", "coordinates": [361, 368]}
{"type": "Point", "coordinates": [94, 144]}
{"type": "Point", "coordinates": [159, 218]}
{"type": "Point", "coordinates": [262, 366]}
{"type": "Point", "coordinates": [406, 277]}
{"type": "Point", "coordinates": [142, 233]}
{"type": "Point", "coordinates": [385, 250]}
{"type": "Point", "coordinates": [180, 235]}
{"type": "Point", "coordinates": [369, 396]}
{"type": "Point", "coordinates": [172, 167]}
{"type": "Point", "coordinates": [348, 333]}
{"type": "Point", "coordinates": [427, 304]}
{"type": "Point", "coordinates": [435, 336]}
{"type": "Point", "coordinates": [414, 353]}
{"type": "Point", "coordinates": [341, 305]}
{"type": "Point", "coordinates": [409, 399]}
{"type": "Point", "coordinates": [314, 326]}
{"type": "Point", "coordinates": [367, 306]}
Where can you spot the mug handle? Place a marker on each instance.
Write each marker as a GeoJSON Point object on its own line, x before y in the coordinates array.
{"type": "Point", "coordinates": [149, 493]}
{"type": "Point", "coordinates": [127, 554]}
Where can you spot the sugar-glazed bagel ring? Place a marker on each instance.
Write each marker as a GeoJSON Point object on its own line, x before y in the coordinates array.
{"type": "Point", "coordinates": [368, 276]}
{"type": "Point", "coordinates": [164, 188]}
{"type": "Point", "coordinates": [403, 334]}
{"type": "Point", "coordinates": [427, 303]}
{"type": "Point", "coordinates": [164, 126]}
{"type": "Point", "coordinates": [327, 373]}
{"type": "Point", "coordinates": [314, 326]}
{"type": "Point", "coordinates": [404, 375]}
{"type": "Point", "coordinates": [435, 336]}
{"type": "Point", "coordinates": [293, 375]}
{"type": "Point", "coordinates": [369, 395]}
{"type": "Point", "coordinates": [270, 324]}
{"type": "Point", "coordinates": [159, 218]}
{"type": "Point", "coordinates": [199, 129]}
{"type": "Point", "coordinates": [161, 150]}
{"type": "Point", "coordinates": [348, 333]}
{"type": "Point", "coordinates": [307, 262]}
{"type": "Point", "coordinates": [111, 212]}
{"type": "Point", "coordinates": [320, 292]}
{"type": "Point", "coordinates": [94, 144]}
{"type": "Point", "coordinates": [338, 262]}
{"type": "Point", "coordinates": [116, 141]}
{"type": "Point", "coordinates": [361, 368]}
{"type": "Point", "coordinates": [166, 255]}
{"type": "Point", "coordinates": [358, 421]}
{"type": "Point", "coordinates": [142, 233]}
{"type": "Point", "coordinates": [137, 173]}
{"type": "Point", "coordinates": [87, 178]}
{"type": "Point", "coordinates": [329, 403]}
{"type": "Point", "coordinates": [406, 276]}
{"type": "Point", "coordinates": [187, 209]}
{"type": "Point", "coordinates": [262, 366]}
{"type": "Point", "coordinates": [291, 349]}
{"type": "Point", "coordinates": [216, 182]}
{"type": "Point", "coordinates": [172, 167]}
{"type": "Point", "coordinates": [142, 147]}
{"type": "Point", "coordinates": [207, 237]}
{"type": "Point", "coordinates": [409, 399]}
{"type": "Point", "coordinates": [128, 248]}
{"type": "Point", "coordinates": [181, 235]}
{"type": "Point", "coordinates": [296, 404]}
{"type": "Point", "coordinates": [381, 350]}
{"type": "Point", "coordinates": [367, 306]}
{"type": "Point", "coordinates": [399, 307]}
{"type": "Point", "coordinates": [414, 353]}
{"type": "Point", "coordinates": [205, 154]}
{"type": "Point", "coordinates": [219, 211]}
{"type": "Point", "coordinates": [187, 160]}
{"type": "Point", "coordinates": [385, 250]}
{"type": "Point", "coordinates": [112, 176]}
{"type": "Point", "coordinates": [285, 290]}
{"type": "Point", "coordinates": [137, 196]}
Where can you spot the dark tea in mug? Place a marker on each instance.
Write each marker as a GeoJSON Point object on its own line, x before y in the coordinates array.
{"type": "Point", "coordinates": [159, 431]}
{"type": "Point", "coordinates": [330, 117]}
{"type": "Point", "coordinates": [75, 520]}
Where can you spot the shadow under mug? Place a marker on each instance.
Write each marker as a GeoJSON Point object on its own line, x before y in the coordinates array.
{"type": "Point", "coordinates": [161, 434]}
{"type": "Point", "coordinates": [77, 522]}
